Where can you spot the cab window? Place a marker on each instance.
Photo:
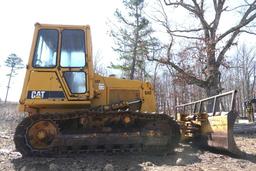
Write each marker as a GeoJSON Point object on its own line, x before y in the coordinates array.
{"type": "Point", "coordinates": [76, 81]}
{"type": "Point", "coordinates": [45, 54]}
{"type": "Point", "coordinates": [72, 48]}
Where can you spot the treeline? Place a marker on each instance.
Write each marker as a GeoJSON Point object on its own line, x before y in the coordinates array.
{"type": "Point", "coordinates": [187, 49]}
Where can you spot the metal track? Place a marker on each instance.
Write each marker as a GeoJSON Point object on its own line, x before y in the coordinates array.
{"type": "Point", "coordinates": [79, 143]}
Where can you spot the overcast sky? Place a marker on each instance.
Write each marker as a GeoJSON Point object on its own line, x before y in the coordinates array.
{"type": "Point", "coordinates": [18, 17]}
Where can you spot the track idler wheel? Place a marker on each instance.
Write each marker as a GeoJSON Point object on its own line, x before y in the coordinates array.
{"type": "Point", "coordinates": [41, 134]}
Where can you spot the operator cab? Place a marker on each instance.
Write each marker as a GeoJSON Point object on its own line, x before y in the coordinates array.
{"type": "Point", "coordinates": [60, 77]}
{"type": "Point", "coordinates": [59, 66]}
{"type": "Point", "coordinates": [72, 55]}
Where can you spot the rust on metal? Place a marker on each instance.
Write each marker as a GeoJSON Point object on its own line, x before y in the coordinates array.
{"type": "Point", "coordinates": [148, 132]}
{"type": "Point", "coordinates": [208, 122]}
{"type": "Point", "coordinates": [41, 134]}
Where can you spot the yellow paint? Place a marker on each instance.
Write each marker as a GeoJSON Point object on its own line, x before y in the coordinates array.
{"type": "Point", "coordinates": [215, 124]}
{"type": "Point", "coordinates": [100, 89]}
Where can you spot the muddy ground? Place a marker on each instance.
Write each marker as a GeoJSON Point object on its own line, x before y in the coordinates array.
{"type": "Point", "coordinates": [185, 157]}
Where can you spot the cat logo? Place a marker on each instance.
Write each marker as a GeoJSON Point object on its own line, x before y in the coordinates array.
{"type": "Point", "coordinates": [37, 94]}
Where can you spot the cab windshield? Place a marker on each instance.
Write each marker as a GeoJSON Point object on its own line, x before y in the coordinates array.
{"type": "Point", "coordinates": [72, 48]}
{"type": "Point", "coordinates": [72, 52]}
{"type": "Point", "coordinates": [46, 49]}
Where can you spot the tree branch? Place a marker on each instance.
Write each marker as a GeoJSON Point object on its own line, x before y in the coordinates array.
{"type": "Point", "coordinates": [199, 12]}
{"type": "Point", "coordinates": [187, 31]}
{"type": "Point", "coordinates": [226, 47]}
{"type": "Point", "coordinates": [218, 6]}
{"type": "Point", "coordinates": [190, 79]}
{"type": "Point", "coordinates": [236, 30]}
{"type": "Point", "coordinates": [243, 22]}
{"type": "Point", "coordinates": [187, 37]}
{"type": "Point", "coordinates": [248, 32]}
{"type": "Point", "coordinates": [195, 9]}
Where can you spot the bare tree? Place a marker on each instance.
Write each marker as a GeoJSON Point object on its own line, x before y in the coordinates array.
{"type": "Point", "coordinates": [212, 42]}
{"type": "Point", "coordinates": [246, 59]}
{"type": "Point", "coordinates": [14, 62]}
{"type": "Point", "coordinates": [241, 75]}
{"type": "Point", "coordinates": [98, 65]}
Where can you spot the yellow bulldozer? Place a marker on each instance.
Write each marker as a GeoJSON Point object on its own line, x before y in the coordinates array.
{"type": "Point", "coordinates": [71, 109]}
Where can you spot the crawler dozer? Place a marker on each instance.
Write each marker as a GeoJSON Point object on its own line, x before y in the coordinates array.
{"type": "Point", "coordinates": [72, 109]}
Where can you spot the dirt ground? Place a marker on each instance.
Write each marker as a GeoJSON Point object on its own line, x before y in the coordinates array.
{"type": "Point", "coordinates": [185, 157]}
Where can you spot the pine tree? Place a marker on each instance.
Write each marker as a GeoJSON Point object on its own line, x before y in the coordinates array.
{"type": "Point", "coordinates": [133, 40]}
{"type": "Point", "coordinates": [14, 62]}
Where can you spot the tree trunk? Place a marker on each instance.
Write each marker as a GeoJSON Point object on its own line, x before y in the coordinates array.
{"type": "Point", "coordinates": [213, 86]}
{"type": "Point", "coordinates": [133, 63]}
{"type": "Point", "coordinates": [8, 86]}
{"type": "Point", "coordinates": [134, 58]}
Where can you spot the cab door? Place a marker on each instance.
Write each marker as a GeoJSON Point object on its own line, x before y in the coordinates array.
{"type": "Point", "coordinates": [72, 63]}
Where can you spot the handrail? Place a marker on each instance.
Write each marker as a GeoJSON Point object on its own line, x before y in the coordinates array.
{"type": "Point", "coordinates": [233, 93]}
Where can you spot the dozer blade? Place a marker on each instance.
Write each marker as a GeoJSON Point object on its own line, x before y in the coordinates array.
{"type": "Point", "coordinates": [217, 132]}
{"type": "Point", "coordinates": [209, 122]}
